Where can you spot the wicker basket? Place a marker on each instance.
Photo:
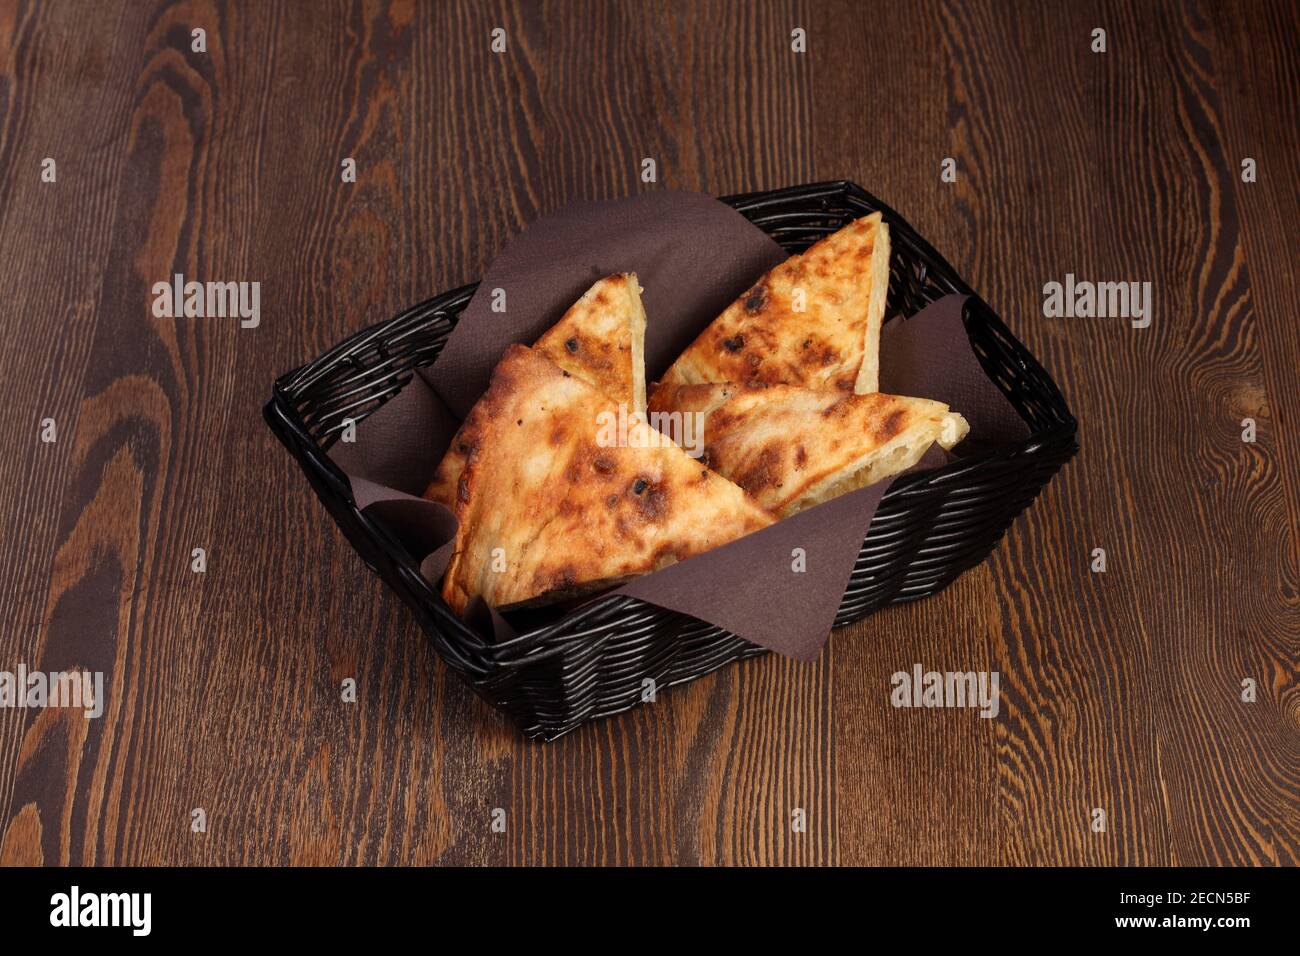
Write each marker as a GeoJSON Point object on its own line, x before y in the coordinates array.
{"type": "Point", "coordinates": [928, 529]}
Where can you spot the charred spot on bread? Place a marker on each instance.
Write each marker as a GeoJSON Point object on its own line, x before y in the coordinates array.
{"type": "Point", "coordinates": [571, 344]}
{"type": "Point", "coordinates": [649, 498]}
{"type": "Point", "coordinates": [734, 344]}
{"type": "Point", "coordinates": [575, 470]}
{"type": "Point", "coordinates": [763, 471]}
{"type": "Point", "coordinates": [561, 579]}
{"type": "Point", "coordinates": [756, 299]}
{"type": "Point", "coordinates": [892, 425]}
{"type": "Point", "coordinates": [718, 422]}
{"type": "Point", "coordinates": [839, 407]}
{"type": "Point", "coordinates": [654, 503]}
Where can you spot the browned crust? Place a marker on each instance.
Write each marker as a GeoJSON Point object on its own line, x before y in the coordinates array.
{"type": "Point", "coordinates": [594, 338]}
{"type": "Point", "coordinates": [567, 510]}
{"type": "Point", "coordinates": [809, 321]}
{"type": "Point", "coordinates": [782, 443]}
{"type": "Point", "coordinates": [597, 340]}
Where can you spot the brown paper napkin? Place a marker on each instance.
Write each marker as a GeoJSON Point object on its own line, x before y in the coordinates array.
{"type": "Point", "coordinates": [779, 588]}
{"type": "Point", "coordinates": [692, 254]}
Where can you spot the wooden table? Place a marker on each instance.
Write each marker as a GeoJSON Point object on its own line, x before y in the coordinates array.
{"type": "Point", "coordinates": [1121, 691]}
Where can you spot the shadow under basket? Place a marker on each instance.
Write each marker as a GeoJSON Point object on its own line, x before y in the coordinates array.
{"type": "Point", "coordinates": [929, 526]}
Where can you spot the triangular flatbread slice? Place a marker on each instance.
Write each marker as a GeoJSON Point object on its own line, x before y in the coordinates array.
{"type": "Point", "coordinates": [790, 448]}
{"type": "Point", "coordinates": [554, 503]}
{"type": "Point", "coordinates": [600, 339]}
{"type": "Point", "coordinates": [814, 320]}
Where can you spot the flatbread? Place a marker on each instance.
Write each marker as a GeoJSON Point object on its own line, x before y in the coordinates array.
{"type": "Point", "coordinates": [551, 506]}
{"type": "Point", "coordinates": [765, 338]}
{"type": "Point", "coordinates": [790, 448]}
{"type": "Point", "coordinates": [601, 339]}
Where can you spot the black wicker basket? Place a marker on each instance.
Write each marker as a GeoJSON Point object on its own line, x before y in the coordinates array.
{"type": "Point", "coordinates": [928, 529]}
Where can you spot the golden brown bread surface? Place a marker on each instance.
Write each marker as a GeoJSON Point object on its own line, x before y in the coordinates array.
{"type": "Point", "coordinates": [790, 448]}
{"type": "Point", "coordinates": [547, 511]}
{"type": "Point", "coordinates": [833, 341]}
{"type": "Point", "coordinates": [601, 339]}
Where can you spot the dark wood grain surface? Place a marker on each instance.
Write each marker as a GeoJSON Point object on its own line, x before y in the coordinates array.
{"type": "Point", "coordinates": [1120, 691]}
